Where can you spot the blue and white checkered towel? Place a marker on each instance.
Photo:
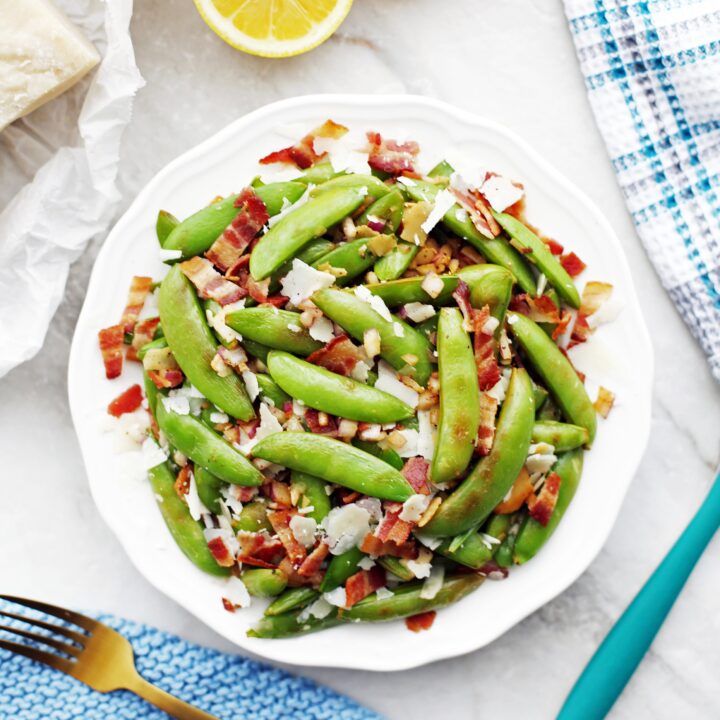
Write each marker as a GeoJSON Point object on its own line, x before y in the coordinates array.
{"type": "Point", "coordinates": [652, 70]}
{"type": "Point", "coordinates": [227, 686]}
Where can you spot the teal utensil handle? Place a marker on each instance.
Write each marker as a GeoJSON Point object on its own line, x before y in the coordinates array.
{"type": "Point", "coordinates": [615, 660]}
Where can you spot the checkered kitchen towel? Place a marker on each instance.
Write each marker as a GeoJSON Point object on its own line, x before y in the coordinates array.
{"type": "Point", "coordinates": [652, 71]}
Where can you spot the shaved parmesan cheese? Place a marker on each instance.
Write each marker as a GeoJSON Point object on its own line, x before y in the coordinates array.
{"type": "Point", "coordinates": [360, 371]}
{"type": "Point", "coordinates": [375, 302]}
{"type": "Point", "coordinates": [303, 528]}
{"type": "Point", "coordinates": [319, 609]}
{"type": "Point", "coordinates": [414, 507]}
{"type": "Point", "coordinates": [346, 527]}
{"type": "Point", "coordinates": [398, 329]}
{"type": "Point", "coordinates": [431, 586]}
{"type": "Point", "coordinates": [383, 593]}
{"type": "Point", "coordinates": [410, 448]}
{"type": "Point", "coordinates": [217, 321]}
{"type": "Point", "coordinates": [236, 593]}
{"type": "Point", "coordinates": [498, 390]}
{"type": "Point", "coordinates": [152, 454]}
{"type": "Point", "coordinates": [269, 425]}
{"type": "Point", "coordinates": [418, 312]}
{"type": "Point", "coordinates": [251, 384]}
{"type": "Point", "coordinates": [169, 254]}
{"type": "Point", "coordinates": [322, 330]}
{"type": "Point", "coordinates": [232, 501]}
{"type": "Point", "coordinates": [195, 504]}
{"type": "Point", "coordinates": [366, 563]}
{"type": "Point", "coordinates": [302, 281]}
{"type": "Point", "coordinates": [490, 325]}
{"type": "Point", "coordinates": [444, 200]}
{"type": "Point", "coordinates": [288, 207]}
{"type": "Point", "coordinates": [342, 157]}
{"type": "Point", "coordinates": [429, 541]}
{"type": "Point", "coordinates": [219, 418]}
{"type": "Point", "coordinates": [432, 285]}
{"type": "Point", "coordinates": [500, 192]}
{"type": "Point", "coordinates": [419, 568]}
{"type": "Point", "coordinates": [179, 404]}
{"type": "Point", "coordinates": [467, 177]}
{"type": "Point", "coordinates": [336, 597]}
{"type": "Point", "coordinates": [388, 382]}
{"type": "Point", "coordinates": [406, 181]}
{"type": "Point", "coordinates": [373, 506]}
{"type": "Point", "coordinates": [541, 457]}
{"type": "Point", "coordinates": [426, 435]}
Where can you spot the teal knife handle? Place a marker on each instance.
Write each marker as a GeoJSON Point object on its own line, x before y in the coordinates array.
{"type": "Point", "coordinates": [613, 664]}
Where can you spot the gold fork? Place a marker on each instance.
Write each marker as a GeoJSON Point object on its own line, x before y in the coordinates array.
{"type": "Point", "coordinates": [98, 656]}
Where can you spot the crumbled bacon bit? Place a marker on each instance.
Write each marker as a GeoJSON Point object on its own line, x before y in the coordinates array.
{"type": "Point", "coordinates": [492, 571]}
{"type": "Point", "coordinates": [210, 283]}
{"type": "Point", "coordinates": [421, 621]}
{"type": "Point", "coordinates": [139, 289]}
{"type": "Point", "coordinates": [303, 154]}
{"type": "Point", "coordinates": [278, 492]}
{"type": "Point", "coordinates": [340, 356]}
{"type": "Point", "coordinates": [362, 584]}
{"type": "Point", "coordinates": [390, 156]}
{"type": "Point", "coordinates": [295, 579]}
{"type": "Point", "coordinates": [562, 326]}
{"type": "Point", "coordinates": [126, 402]}
{"type": "Point", "coordinates": [581, 330]}
{"type": "Point", "coordinates": [347, 496]}
{"type": "Point", "coordinates": [392, 528]}
{"type": "Point", "coordinates": [573, 264]}
{"type": "Point", "coordinates": [314, 560]}
{"type": "Point", "coordinates": [604, 402]}
{"type": "Point", "coordinates": [541, 506]}
{"type": "Point", "coordinates": [461, 295]}
{"type": "Point", "coordinates": [111, 346]}
{"type": "Point", "coordinates": [540, 309]}
{"type": "Point", "coordinates": [479, 213]}
{"type": "Point", "coordinates": [522, 488]}
{"type": "Point", "coordinates": [415, 471]}
{"type": "Point", "coordinates": [484, 346]}
{"type": "Point", "coordinates": [234, 240]}
{"type": "Point", "coordinates": [221, 552]}
{"type": "Point", "coordinates": [182, 481]}
{"type": "Point", "coordinates": [375, 546]}
{"type": "Point", "coordinates": [259, 549]}
{"type": "Point", "coordinates": [142, 335]}
{"type": "Point", "coordinates": [166, 378]}
{"type": "Point", "coordinates": [486, 429]}
{"type": "Point", "coordinates": [321, 423]}
{"type": "Point", "coordinates": [553, 246]}
{"type": "Point", "coordinates": [244, 494]}
{"type": "Point", "coordinates": [280, 521]}
{"type": "Point", "coordinates": [229, 606]}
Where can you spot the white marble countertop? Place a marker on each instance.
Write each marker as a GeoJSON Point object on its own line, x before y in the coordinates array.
{"type": "Point", "coordinates": [510, 60]}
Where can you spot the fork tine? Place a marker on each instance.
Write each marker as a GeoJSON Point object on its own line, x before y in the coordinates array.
{"type": "Point", "coordinates": [73, 650]}
{"type": "Point", "coordinates": [50, 659]}
{"type": "Point", "coordinates": [59, 629]}
{"type": "Point", "coordinates": [68, 615]}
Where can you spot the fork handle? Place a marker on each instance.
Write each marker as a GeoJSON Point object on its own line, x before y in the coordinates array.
{"type": "Point", "coordinates": [165, 701]}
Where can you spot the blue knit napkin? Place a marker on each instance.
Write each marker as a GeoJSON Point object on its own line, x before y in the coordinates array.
{"type": "Point", "coordinates": [652, 71]}
{"type": "Point", "coordinates": [227, 686]}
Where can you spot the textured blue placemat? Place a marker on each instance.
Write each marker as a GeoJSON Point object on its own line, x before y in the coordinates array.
{"type": "Point", "coordinates": [652, 71]}
{"type": "Point", "coordinates": [228, 686]}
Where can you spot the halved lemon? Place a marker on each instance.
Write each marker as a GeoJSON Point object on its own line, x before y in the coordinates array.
{"type": "Point", "coordinates": [274, 28]}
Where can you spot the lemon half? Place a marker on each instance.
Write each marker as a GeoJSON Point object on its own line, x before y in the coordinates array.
{"type": "Point", "coordinates": [274, 28]}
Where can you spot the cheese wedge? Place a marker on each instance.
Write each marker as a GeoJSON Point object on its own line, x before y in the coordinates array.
{"type": "Point", "coordinates": [42, 54]}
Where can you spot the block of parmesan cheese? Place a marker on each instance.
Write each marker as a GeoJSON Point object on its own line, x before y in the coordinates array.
{"type": "Point", "coordinates": [42, 54]}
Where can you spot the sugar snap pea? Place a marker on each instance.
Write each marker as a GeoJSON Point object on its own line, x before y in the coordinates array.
{"type": "Point", "coordinates": [319, 173]}
{"type": "Point", "coordinates": [555, 369]}
{"type": "Point", "coordinates": [194, 346]}
{"type": "Point", "coordinates": [533, 535]}
{"type": "Point", "coordinates": [387, 455]}
{"type": "Point", "coordinates": [152, 345]}
{"type": "Point", "coordinates": [309, 254]}
{"type": "Point", "coordinates": [396, 262]}
{"type": "Point", "coordinates": [368, 185]}
{"type": "Point", "coordinates": [293, 231]}
{"type": "Point", "coordinates": [195, 234]}
{"type": "Point", "coordinates": [341, 567]}
{"type": "Point", "coordinates": [291, 599]}
{"type": "Point", "coordinates": [397, 567]}
{"type": "Point", "coordinates": [335, 462]}
{"type": "Point", "coordinates": [353, 257]}
{"type": "Point", "coordinates": [442, 169]}
{"type": "Point", "coordinates": [279, 329]}
{"type": "Point", "coordinates": [333, 393]}
{"type": "Point", "coordinates": [271, 391]}
{"type": "Point", "coordinates": [541, 256]}
{"type": "Point", "coordinates": [389, 208]}
{"type": "Point", "coordinates": [165, 224]}
{"type": "Point", "coordinates": [459, 399]}
{"type": "Point", "coordinates": [476, 549]}
{"type": "Point", "coordinates": [253, 518]}
{"type": "Point", "coordinates": [264, 582]}
{"type": "Point", "coordinates": [208, 488]}
{"type": "Point", "coordinates": [493, 476]}
{"type": "Point", "coordinates": [408, 290]}
{"type": "Point", "coordinates": [256, 349]}
{"type": "Point", "coordinates": [205, 447]}
{"type": "Point", "coordinates": [356, 316]}
{"type": "Point", "coordinates": [289, 624]}
{"type": "Point", "coordinates": [312, 494]}
{"type": "Point", "coordinates": [185, 531]}
{"type": "Point", "coordinates": [562, 436]}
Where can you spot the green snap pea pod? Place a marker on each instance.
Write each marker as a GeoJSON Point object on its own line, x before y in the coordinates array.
{"type": "Point", "coordinates": [350, 257]}
{"type": "Point", "coordinates": [549, 411]}
{"type": "Point", "coordinates": [388, 455]}
{"type": "Point", "coordinates": [214, 307]}
{"type": "Point", "coordinates": [389, 208]}
{"type": "Point", "coordinates": [356, 316]}
{"type": "Point", "coordinates": [271, 327]}
{"type": "Point", "coordinates": [291, 599]}
{"type": "Point", "coordinates": [555, 369]}
{"type": "Point", "coordinates": [333, 393]}
{"type": "Point", "coordinates": [368, 185]}
{"type": "Point", "coordinates": [253, 518]}
{"type": "Point", "coordinates": [476, 550]}
{"type": "Point", "coordinates": [459, 400]}
{"type": "Point", "coordinates": [473, 501]}
{"type": "Point", "coordinates": [489, 285]}
{"type": "Point", "coordinates": [206, 448]}
{"type": "Point", "coordinates": [263, 582]}
{"type": "Point", "coordinates": [533, 535]}
{"type": "Point", "coordinates": [396, 567]}
{"type": "Point", "coordinates": [187, 533]}
{"type": "Point", "coordinates": [289, 625]}
{"type": "Point", "coordinates": [256, 349]}
{"type": "Point", "coordinates": [151, 393]}
{"type": "Point", "coordinates": [334, 462]}
{"type": "Point", "coordinates": [442, 169]}
{"type": "Point", "coordinates": [166, 222]}
{"type": "Point", "coordinates": [429, 327]}
{"type": "Point", "coordinates": [407, 290]}
{"type": "Point", "coordinates": [194, 235]}
{"type": "Point", "coordinates": [319, 173]}
{"type": "Point", "coordinates": [541, 256]}
{"type": "Point", "coordinates": [396, 262]}
{"type": "Point", "coordinates": [562, 436]}
{"type": "Point", "coordinates": [312, 492]}
{"type": "Point", "coordinates": [504, 553]}
{"type": "Point", "coordinates": [194, 346]}
{"type": "Point", "coordinates": [497, 250]}
{"type": "Point", "coordinates": [541, 395]}
{"type": "Point", "coordinates": [341, 567]}
{"type": "Point", "coordinates": [296, 229]}
{"type": "Point", "coordinates": [270, 390]}
{"type": "Point", "coordinates": [152, 345]}
{"type": "Point", "coordinates": [208, 488]}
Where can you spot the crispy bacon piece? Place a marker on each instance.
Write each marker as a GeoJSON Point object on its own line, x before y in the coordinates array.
{"type": "Point", "coordinates": [139, 289]}
{"type": "Point", "coordinates": [210, 283]}
{"type": "Point", "coordinates": [303, 154]}
{"type": "Point", "coordinates": [540, 309]}
{"type": "Point", "coordinates": [295, 579]}
{"type": "Point", "coordinates": [486, 430]}
{"type": "Point", "coordinates": [522, 488]}
{"type": "Point", "coordinates": [142, 335]}
{"type": "Point", "coordinates": [581, 330]}
{"type": "Point", "coordinates": [415, 471]}
{"type": "Point", "coordinates": [390, 156]}
{"type": "Point", "coordinates": [259, 549]}
{"type": "Point", "coordinates": [236, 237]}
{"type": "Point", "coordinates": [392, 528]}
{"type": "Point", "coordinates": [479, 212]}
{"type": "Point", "coordinates": [280, 521]}
{"type": "Point", "coordinates": [605, 400]}
{"type": "Point", "coordinates": [461, 295]}
{"type": "Point", "coordinates": [182, 481]}
{"type": "Point", "coordinates": [562, 326]}
{"type": "Point", "coordinates": [362, 584]}
{"type": "Point", "coordinates": [126, 402]}
{"type": "Point", "coordinates": [340, 356]}
{"type": "Point", "coordinates": [541, 506]}
{"type": "Point", "coordinates": [278, 492]}
{"type": "Point", "coordinates": [553, 246]}
{"type": "Point", "coordinates": [492, 571]}
{"type": "Point", "coordinates": [347, 496]}
{"type": "Point", "coordinates": [375, 546]}
{"type": "Point", "coordinates": [421, 621]}
{"type": "Point", "coordinates": [221, 552]}
{"type": "Point", "coordinates": [573, 264]}
{"type": "Point", "coordinates": [111, 346]}
{"type": "Point", "coordinates": [484, 346]}
{"type": "Point", "coordinates": [166, 378]}
{"type": "Point", "coordinates": [314, 560]}
{"type": "Point", "coordinates": [321, 423]}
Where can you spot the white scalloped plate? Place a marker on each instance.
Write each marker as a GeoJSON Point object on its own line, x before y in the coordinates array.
{"type": "Point", "coordinates": [619, 356]}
